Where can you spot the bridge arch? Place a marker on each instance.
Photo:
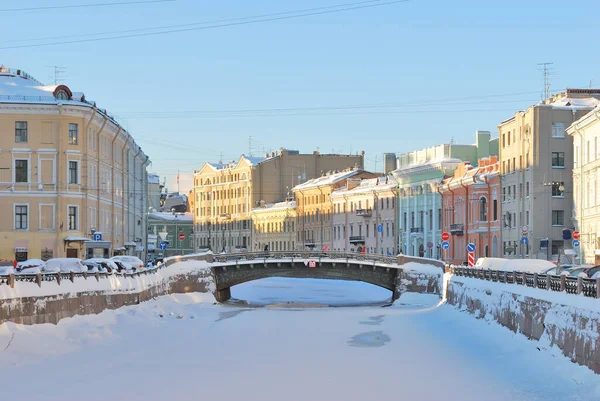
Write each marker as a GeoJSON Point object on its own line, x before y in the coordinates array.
{"type": "Point", "coordinates": [231, 273]}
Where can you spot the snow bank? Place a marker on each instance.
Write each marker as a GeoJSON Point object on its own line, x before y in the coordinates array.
{"type": "Point", "coordinates": [561, 322]}
{"type": "Point", "coordinates": [110, 284]}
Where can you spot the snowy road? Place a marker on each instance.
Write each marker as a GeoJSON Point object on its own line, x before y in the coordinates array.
{"type": "Point", "coordinates": [199, 351]}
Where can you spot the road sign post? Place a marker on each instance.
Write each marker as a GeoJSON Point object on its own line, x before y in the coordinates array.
{"type": "Point", "coordinates": [445, 236]}
{"type": "Point", "coordinates": [575, 234]}
{"type": "Point", "coordinates": [471, 259]}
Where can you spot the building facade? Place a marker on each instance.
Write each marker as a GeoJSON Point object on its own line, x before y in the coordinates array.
{"type": "Point", "coordinates": [419, 174]}
{"type": "Point", "coordinates": [73, 179]}
{"type": "Point", "coordinates": [364, 216]}
{"type": "Point", "coordinates": [314, 207]}
{"type": "Point", "coordinates": [586, 184]}
{"type": "Point", "coordinates": [471, 210]}
{"type": "Point", "coordinates": [274, 227]}
{"type": "Point", "coordinates": [168, 228]}
{"type": "Point", "coordinates": [226, 193]}
{"type": "Point", "coordinates": [536, 166]}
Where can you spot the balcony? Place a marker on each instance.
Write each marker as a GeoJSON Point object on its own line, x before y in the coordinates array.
{"type": "Point", "coordinates": [457, 229]}
{"type": "Point", "coordinates": [415, 230]}
{"type": "Point", "coordinates": [357, 239]}
{"type": "Point", "coordinates": [363, 212]}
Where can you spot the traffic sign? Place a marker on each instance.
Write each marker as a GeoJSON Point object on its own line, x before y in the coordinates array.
{"type": "Point", "coordinates": [312, 264]}
{"type": "Point", "coordinates": [445, 245]}
{"type": "Point", "coordinates": [575, 242]}
{"type": "Point", "coordinates": [524, 229]}
{"type": "Point", "coordinates": [575, 234]}
{"type": "Point", "coordinates": [445, 236]}
{"type": "Point", "coordinates": [429, 244]}
{"type": "Point", "coordinates": [471, 247]}
{"type": "Point", "coordinates": [181, 236]}
{"type": "Point", "coordinates": [380, 228]}
{"type": "Point", "coordinates": [524, 234]}
{"type": "Point", "coordinates": [97, 236]}
{"type": "Point", "coordinates": [471, 259]}
{"type": "Point", "coordinates": [525, 241]}
{"type": "Point", "coordinates": [162, 246]}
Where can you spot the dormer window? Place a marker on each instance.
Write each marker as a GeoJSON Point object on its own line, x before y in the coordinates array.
{"type": "Point", "coordinates": [62, 95]}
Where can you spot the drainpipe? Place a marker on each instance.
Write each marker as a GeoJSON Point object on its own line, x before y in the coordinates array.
{"type": "Point", "coordinates": [580, 222]}
{"type": "Point", "coordinates": [466, 187]}
{"type": "Point", "coordinates": [452, 253]}
{"type": "Point", "coordinates": [320, 216]}
{"type": "Point", "coordinates": [486, 180]}
{"type": "Point", "coordinates": [134, 188]}
{"type": "Point", "coordinates": [98, 175]}
{"type": "Point", "coordinates": [87, 152]}
{"type": "Point", "coordinates": [145, 209]}
{"type": "Point", "coordinates": [124, 183]}
{"type": "Point", "coordinates": [112, 190]}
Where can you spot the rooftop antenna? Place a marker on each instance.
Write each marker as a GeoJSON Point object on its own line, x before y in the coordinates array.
{"type": "Point", "coordinates": [221, 158]}
{"type": "Point", "coordinates": [250, 146]}
{"type": "Point", "coordinates": [452, 140]}
{"type": "Point", "coordinates": [58, 71]}
{"type": "Point", "coordinates": [545, 67]}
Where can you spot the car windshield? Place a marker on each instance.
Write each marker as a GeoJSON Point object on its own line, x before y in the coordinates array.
{"type": "Point", "coordinates": [299, 200]}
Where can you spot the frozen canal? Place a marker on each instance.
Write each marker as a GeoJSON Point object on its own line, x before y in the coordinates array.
{"type": "Point", "coordinates": [292, 348]}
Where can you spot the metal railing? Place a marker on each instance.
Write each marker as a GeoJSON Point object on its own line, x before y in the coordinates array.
{"type": "Point", "coordinates": [571, 285]}
{"type": "Point", "coordinates": [316, 255]}
{"type": "Point", "coordinates": [57, 278]}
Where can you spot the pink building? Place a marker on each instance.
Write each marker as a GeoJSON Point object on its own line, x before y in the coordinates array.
{"type": "Point", "coordinates": [471, 210]}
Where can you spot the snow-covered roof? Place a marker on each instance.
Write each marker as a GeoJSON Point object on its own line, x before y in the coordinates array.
{"type": "Point", "coordinates": [75, 238]}
{"type": "Point", "coordinates": [326, 180]}
{"type": "Point", "coordinates": [185, 217]}
{"type": "Point", "coordinates": [270, 207]}
{"type": "Point", "coordinates": [18, 87]}
{"type": "Point", "coordinates": [383, 183]}
{"type": "Point", "coordinates": [254, 160]}
{"type": "Point", "coordinates": [575, 103]}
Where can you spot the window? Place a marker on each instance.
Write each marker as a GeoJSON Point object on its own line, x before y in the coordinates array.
{"type": "Point", "coordinates": [504, 194]}
{"type": "Point", "coordinates": [62, 95]}
{"type": "Point", "coordinates": [495, 211]}
{"type": "Point", "coordinates": [515, 191]}
{"type": "Point", "coordinates": [527, 160]}
{"type": "Point", "coordinates": [405, 221]}
{"type": "Point", "coordinates": [21, 173]}
{"type": "Point", "coordinates": [558, 189]}
{"type": "Point", "coordinates": [558, 159]}
{"type": "Point", "coordinates": [558, 130]}
{"type": "Point", "coordinates": [503, 140]}
{"type": "Point", "coordinates": [72, 218]}
{"type": "Point", "coordinates": [73, 173]}
{"type": "Point", "coordinates": [558, 217]}
{"type": "Point", "coordinates": [21, 217]}
{"type": "Point", "coordinates": [508, 138]}
{"type": "Point", "coordinates": [514, 164]}
{"type": "Point", "coordinates": [430, 219]}
{"type": "Point", "coordinates": [527, 217]}
{"type": "Point", "coordinates": [73, 134]}
{"type": "Point", "coordinates": [482, 209]}
{"type": "Point", "coordinates": [527, 189]}
{"type": "Point", "coordinates": [21, 131]}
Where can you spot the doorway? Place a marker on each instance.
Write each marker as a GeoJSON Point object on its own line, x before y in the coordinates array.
{"type": "Point", "coordinates": [72, 253]}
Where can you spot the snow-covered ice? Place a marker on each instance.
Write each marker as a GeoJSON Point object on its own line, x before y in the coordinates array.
{"type": "Point", "coordinates": [185, 347]}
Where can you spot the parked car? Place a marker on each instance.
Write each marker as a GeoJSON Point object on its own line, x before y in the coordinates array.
{"type": "Point", "coordinates": [65, 265]}
{"type": "Point", "coordinates": [124, 267]}
{"type": "Point", "coordinates": [6, 270]}
{"type": "Point", "coordinates": [93, 267]}
{"type": "Point", "coordinates": [108, 265]}
{"type": "Point", "coordinates": [30, 266]}
{"type": "Point", "coordinates": [131, 260]}
{"type": "Point", "coordinates": [585, 271]}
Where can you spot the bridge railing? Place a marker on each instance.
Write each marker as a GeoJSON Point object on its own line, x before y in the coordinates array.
{"type": "Point", "coordinates": [249, 256]}
{"type": "Point", "coordinates": [571, 285]}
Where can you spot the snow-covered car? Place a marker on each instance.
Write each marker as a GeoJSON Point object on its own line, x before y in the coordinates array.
{"type": "Point", "coordinates": [585, 271]}
{"type": "Point", "coordinates": [65, 265]}
{"type": "Point", "coordinates": [131, 260]}
{"type": "Point", "coordinates": [93, 267]}
{"type": "Point", "coordinates": [124, 267]}
{"type": "Point", "coordinates": [108, 265]}
{"type": "Point", "coordinates": [6, 270]}
{"type": "Point", "coordinates": [30, 266]}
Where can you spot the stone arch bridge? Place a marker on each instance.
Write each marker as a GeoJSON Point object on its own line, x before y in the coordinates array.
{"type": "Point", "coordinates": [231, 269]}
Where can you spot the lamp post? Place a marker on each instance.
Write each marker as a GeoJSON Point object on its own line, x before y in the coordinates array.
{"type": "Point", "coordinates": [209, 245]}
{"type": "Point", "coordinates": [223, 238]}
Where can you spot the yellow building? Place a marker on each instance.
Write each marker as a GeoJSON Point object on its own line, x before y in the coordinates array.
{"type": "Point", "coordinates": [67, 171]}
{"type": "Point", "coordinates": [273, 227]}
{"type": "Point", "coordinates": [225, 193]}
{"type": "Point", "coordinates": [314, 207]}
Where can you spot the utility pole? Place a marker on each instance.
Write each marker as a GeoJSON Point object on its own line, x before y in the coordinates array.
{"type": "Point", "coordinates": [546, 71]}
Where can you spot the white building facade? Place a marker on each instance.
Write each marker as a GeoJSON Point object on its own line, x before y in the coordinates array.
{"type": "Point", "coordinates": [364, 217]}
{"type": "Point", "coordinates": [586, 184]}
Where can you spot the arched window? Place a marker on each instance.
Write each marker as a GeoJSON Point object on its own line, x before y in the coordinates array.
{"type": "Point", "coordinates": [482, 209]}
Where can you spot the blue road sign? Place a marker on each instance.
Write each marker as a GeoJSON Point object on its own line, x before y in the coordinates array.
{"type": "Point", "coordinates": [97, 236]}
{"type": "Point", "coordinates": [525, 241]}
{"type": "Point", "coordinates": [162, 246]}
{"type": "Point", "coordinates": [575, 242]}
{"type": "Point", "coordinates": [380, 228]}
{"type": "Point", "coordinates": [471, 247]}
{"type": "Point", "coordinates": [445, 245]}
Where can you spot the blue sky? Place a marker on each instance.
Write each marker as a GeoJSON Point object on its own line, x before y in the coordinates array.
{"type": "Point", "coordinates": [449, 69]}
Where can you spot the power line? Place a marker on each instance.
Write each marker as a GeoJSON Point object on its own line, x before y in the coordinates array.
{"type": "Point", "coordinates": [83, 5]}
{"type": "Point", "coordinates": [186, 25]}
{"type": "Point", "coordinates": [255, 21]}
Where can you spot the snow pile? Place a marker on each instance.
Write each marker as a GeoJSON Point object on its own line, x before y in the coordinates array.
{"type": "Point", "coordinates": [180, 347]}
{"type": "Point", "coordinates": [110, 285]}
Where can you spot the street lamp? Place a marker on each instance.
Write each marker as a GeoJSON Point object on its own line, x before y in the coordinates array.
{"type": "Point", "coordinates": [223, 239]}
